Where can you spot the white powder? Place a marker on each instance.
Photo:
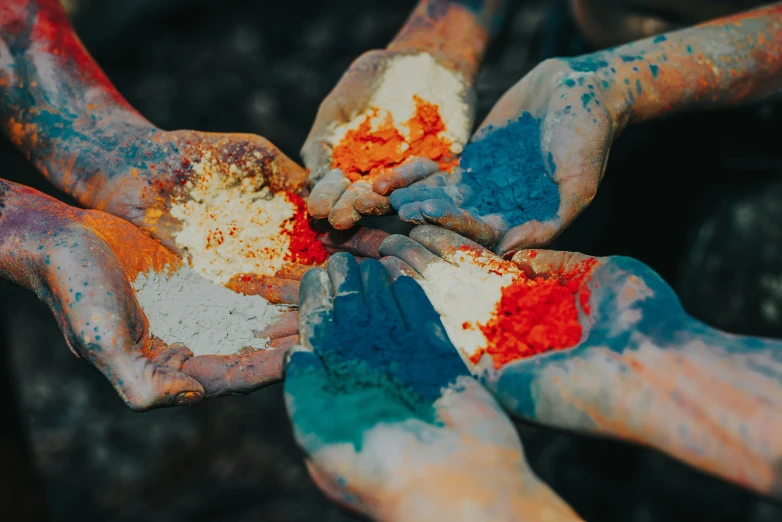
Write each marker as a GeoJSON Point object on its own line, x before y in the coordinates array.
{"type": "Point", "coordinates": [232, 224]}
{"type": "Point", "coordinates": [466, 295]}
{"type": "Point", "coordinates": [183, 307]}
{"type": "Point", "coordinates": [419, 75]}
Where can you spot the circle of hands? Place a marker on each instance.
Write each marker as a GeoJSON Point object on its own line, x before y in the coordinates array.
{"type": "Point", "coordinates": [396, 417]}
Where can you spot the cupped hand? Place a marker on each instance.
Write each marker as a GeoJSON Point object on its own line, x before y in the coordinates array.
{"type": "Point", "coordinates": [229, 204]}
{"type": "Point", "coordinates": [394, 117]}
{"type": "Point", "coordinates": [391, 422]}
{"type": "Point", "coordinates": [532, 166]}
{"type": "Point", "coordinates": [98, 273]}
{"type": "Point", "coordinates": [557, 336]}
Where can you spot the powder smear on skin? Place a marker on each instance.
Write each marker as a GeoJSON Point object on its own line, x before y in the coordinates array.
{"type": "Point", "coordinates": [233, 224]}
{"type": "Point", "coordinates": [417, 109]}
{"type": "Point", "coordinates": [184, 307]}
{"type": "Point", "coordinates": [536, 315]}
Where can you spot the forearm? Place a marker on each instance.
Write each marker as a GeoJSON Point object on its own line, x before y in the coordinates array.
{"type": "Point", "coordinates": [455, 31]}
{"type": "Point", "coordinates": [714, 401]}
{"type": "Point", "coordinates": [56, 104]}
{"type": "Point", "coordinates": [726, 61]}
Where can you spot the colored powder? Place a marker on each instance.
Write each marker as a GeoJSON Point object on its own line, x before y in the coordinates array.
{"type": "Point", "coordinates": [377, 145]}
{"type": "Point", "coordinates": [234, 224]}
{"type": "Point", "coordinates": [508, 173]}
{"type": "Point", "coordinates": [362, 367]}
{"type": "Point", "coordinates": [184, 307]}
{"type": "Point", "coordinates": [536, 315]}
{"type": "Point", "coordinates": [304, 245]}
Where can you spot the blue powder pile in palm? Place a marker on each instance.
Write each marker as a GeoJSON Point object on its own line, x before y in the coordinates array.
{"type": "Point", "coordinates": [507, 173]}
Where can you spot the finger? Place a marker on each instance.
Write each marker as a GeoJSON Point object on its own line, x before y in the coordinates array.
{"type": "Point", "coordinates": [397, 268]}
{"type": "Point", "coordinates": [235, 374]}
{"type": "Point", "coordinates": [371, 204]}
{"type": "Point", "coordinates": [317, 155]}
{"type": "Point", "coordinates": [409, 251]}
{"type": "Point", "coordinates": [417, 312]}
{"type": "Point", "coordinates": [531, 234]}
{"type": "Point", "coordinates": [326, 192]}
{"type": "Point", "coordinates": [443, 242]}
{"type": "Point", "coordinates": [383, 308]}
{"type": "Point", "coordinates": [349, 305]}
{"type": "Point", "coordinates": [168, 356]}
{"type": "Point", "coordinates": [274, 289]}
{"type": "Point", "coordinates": [543, 263]}
{"type": "Point", "coordinates": [286, 325]}
{"type": "Point", "coordinates": [419, 192]}
{"type": "Point", "coordinates": [411, 213]}
{"type": "Point", "coordinates": [283, 343]}
{"type": "Point", "coordinates": [448, 216]}
{"type": "Point", "coordinates": [359, 241]}
{"type": "Point", "coordinates": [412, 170]}
{"type": "Point", "coordinates": [293, 271]}
{"type": "Point", "coordinates": [316, 308]}
{"type": "Point", "coordinates": [344, 215]}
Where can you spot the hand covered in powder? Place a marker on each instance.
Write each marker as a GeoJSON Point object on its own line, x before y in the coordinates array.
{"type": "Point", "coordinates": [125, 304]}
{"type": "Point", "coordinates": [603, 346]}
{"type": "Point", "coordinates": [393, 118]}
{"type": "Point", "coordinates": [392, 424]}
{"type": "Point", "coordinates": [533, 165]}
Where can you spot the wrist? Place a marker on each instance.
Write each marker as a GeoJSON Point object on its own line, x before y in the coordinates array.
{"type": "Point", "coordinates": [454, 35]}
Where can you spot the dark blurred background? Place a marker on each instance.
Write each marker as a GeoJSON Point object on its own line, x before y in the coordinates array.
{"type": "Point", "coordinates": [696, 197]}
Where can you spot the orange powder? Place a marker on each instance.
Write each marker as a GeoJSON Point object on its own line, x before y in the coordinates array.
{"type": "Point", "coordinates": [536, 315]}
{"type": "Point", "coordinates": [365, 151]}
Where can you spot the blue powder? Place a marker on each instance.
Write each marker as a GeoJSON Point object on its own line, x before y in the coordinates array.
{"type": "Point", "coordinates": [508, 176]}
{"type": "Point", "coordinates": [371, 371]}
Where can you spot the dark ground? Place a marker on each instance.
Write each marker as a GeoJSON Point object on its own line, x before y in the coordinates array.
{"type": "Point", "coordinates": [696, 197]}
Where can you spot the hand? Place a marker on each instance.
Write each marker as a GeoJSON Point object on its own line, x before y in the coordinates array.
{"type": "Point", "coordinates": [126, 305]}
{"type": "Point", "coordinates": [603, 346]}
{"type": "Point", "coordinates": [228, 203]}
{"type": "Point", "coordinates": [533, 165]}
{"type": "Point", "coordinates": [391, 422]}
{"type": "Point", "coordinates": [393, 118]}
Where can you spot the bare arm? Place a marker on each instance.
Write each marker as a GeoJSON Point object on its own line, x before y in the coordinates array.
{"type": "Point", "coordinates": [56, 104]}
{"type": "Point", "coordinates": [458, 31]}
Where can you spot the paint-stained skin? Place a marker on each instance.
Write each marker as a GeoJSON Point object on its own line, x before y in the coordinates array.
{"type": "Point", "coordinates": [392, 424]}
{"type": "Point", "coordinates": [81, 264]}
{"type": "Point", "coordinates": [644, 370]}
{"type": "Point", "coordinates": [581, 105]}
{"type": "Point", "coordinates": [456, 34]}
{"type": "Point", "coordinates": [63, 113]}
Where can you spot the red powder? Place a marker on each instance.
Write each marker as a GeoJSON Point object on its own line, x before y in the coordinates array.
{"type": "Point", "coordinates": [304, 245]}
{"type": "Point", "coordinates": [364, 151]}
{"type": "Point", "coordinates": [536, 315]}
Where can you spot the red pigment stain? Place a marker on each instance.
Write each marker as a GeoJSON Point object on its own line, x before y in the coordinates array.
{"type": "Point", "coordinates": [537, 315]}
{"type": "Point", "coordinates": [304, 245]}
{"type": "Point", "coordinates": [366, 152]}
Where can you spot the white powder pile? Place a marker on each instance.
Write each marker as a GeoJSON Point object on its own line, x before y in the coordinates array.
{"type": "Point", "coordinates": [466, 295]}
{"type": "Point", "coordinates": [183, 307]}
{"type": "Point", "coordinates": [232, 224]}
{"type": "Point", "coordinates": [420, 75]}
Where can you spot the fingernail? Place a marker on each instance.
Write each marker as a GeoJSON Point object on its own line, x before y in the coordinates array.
{"type": "Point", "coordinates": [187, 398]}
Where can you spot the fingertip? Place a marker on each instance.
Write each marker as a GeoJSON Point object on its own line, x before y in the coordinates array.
{"type": "Point", "coordinates": [411, 213]}
{"type": "Point", "coordinates": [436, 209]}
{"type": "Point", "coordinates": [371, 204]}
{"type": "Point", "coordinates": [343, 219]}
